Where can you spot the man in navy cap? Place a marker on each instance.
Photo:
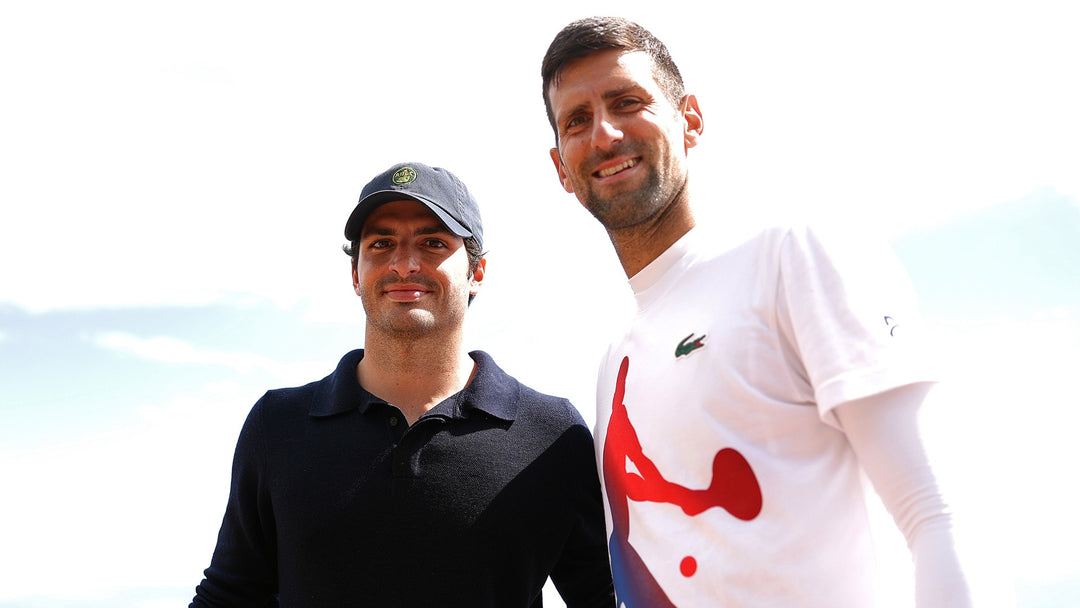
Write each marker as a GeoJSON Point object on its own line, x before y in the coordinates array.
{"type": "Point", "coordinates": [417, 473]}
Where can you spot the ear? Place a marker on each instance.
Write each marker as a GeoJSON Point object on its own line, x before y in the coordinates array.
{"type": "Point", "coordinates": [694, 123]}
{"type": "Point", "coordinates": [355, 276]}
{"type": "Point", "coordinates": [563, 179]}
{"type": "Point", "coordinates": [478, 277]}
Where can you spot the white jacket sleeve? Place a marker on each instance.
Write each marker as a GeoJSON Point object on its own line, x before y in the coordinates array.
{"type": "Point", "coordinates": [883, 431]}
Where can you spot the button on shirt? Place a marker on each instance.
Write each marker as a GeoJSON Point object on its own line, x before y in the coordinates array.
{"type": "Point", "coordinates": [336, 501]}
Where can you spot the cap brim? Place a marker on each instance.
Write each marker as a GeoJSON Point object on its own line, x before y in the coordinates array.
{"type": "Point", "coordinates": [363, 209]}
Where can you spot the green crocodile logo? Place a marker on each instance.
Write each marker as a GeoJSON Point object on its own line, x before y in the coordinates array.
{"type": "Point", "coordinates": [688, 345]}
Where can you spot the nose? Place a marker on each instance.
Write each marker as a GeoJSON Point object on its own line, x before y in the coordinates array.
{"type": "Point", "coordinates": [404, 261]}
{"type": "Point", "coordinates": [605, 132]}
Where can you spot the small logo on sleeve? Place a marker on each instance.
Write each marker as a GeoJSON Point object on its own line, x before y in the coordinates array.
{"type": "Point", "coordinates": [688, 345]}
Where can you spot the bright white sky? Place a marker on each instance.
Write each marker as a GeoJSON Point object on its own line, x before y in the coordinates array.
{"type": "Point", "coordinates": [175, 178]}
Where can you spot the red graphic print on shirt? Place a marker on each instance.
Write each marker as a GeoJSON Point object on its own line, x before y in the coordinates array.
{"type": "Point", "coordinates": [734, 487]}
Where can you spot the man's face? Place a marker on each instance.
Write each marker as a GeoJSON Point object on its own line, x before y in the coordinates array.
{"type": "Point", "coordinates": [412, 273]}
{"type": "Point", "coordinates": [621, 144]}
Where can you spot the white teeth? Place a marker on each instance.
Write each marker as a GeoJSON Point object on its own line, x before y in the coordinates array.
{"type": "Point", "coordinates": [617, 168]}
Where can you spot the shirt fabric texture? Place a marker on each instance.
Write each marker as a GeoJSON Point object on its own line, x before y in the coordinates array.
{"type": "Point", "coordinates": [728, 480]}
{"type": "Point", "coordinates": [337, 501]}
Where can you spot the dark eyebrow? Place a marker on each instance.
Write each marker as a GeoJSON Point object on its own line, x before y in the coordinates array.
{"type": "Point", "coordinates": [434, 229]}
{"type": "Point", "coordinates": [573, 111]}
{"type": "Point", "coordinates": [613, 93]}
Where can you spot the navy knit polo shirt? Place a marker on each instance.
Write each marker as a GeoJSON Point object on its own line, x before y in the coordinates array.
{"type": "Point", "coordinates": [336, 501]}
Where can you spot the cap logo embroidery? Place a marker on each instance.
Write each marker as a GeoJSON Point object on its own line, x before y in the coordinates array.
{"type": "Point", "coordinates": [404, 175]}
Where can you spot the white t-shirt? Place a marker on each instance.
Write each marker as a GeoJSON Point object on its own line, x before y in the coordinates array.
{"type": "Point", "coordinates": [727, 482]}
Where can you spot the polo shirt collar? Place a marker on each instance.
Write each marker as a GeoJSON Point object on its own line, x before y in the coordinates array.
{"type": "Point", "coordinates": [492, 390]}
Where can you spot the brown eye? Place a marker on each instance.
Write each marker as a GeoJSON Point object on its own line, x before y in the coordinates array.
{"type": "Point", "coordinates": [576, 121]}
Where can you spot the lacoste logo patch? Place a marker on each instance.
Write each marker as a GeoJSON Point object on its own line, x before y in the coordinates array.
{"type": "Point", "coordinates": [688, 345]}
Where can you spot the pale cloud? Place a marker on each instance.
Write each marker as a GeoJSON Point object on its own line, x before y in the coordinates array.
{"type": "Point", "coordinates": [171, 350]}
{"type": "Point", "coordinates": [179, 352]}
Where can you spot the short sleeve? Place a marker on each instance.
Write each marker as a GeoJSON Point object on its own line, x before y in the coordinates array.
{"type": "Point", "coordinates": [851, 312]}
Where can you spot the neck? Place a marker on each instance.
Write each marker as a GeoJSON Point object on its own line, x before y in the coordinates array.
{"type": "Point", "coordinates": [637, 246]}
{"type": "Point", "coordinates": [414, 375]}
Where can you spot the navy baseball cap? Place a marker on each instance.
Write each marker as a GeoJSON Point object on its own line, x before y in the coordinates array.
{"type": "Point", "coordinates": [434, 187]}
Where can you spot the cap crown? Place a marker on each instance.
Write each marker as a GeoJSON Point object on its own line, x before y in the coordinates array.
{"type": "Point", "coordinates": [435, 187]}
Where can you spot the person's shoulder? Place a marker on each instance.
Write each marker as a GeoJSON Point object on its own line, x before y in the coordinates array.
{"type": "Point", "coordinates": [851, 245]}
{"type": "Point", "coordinates": [554, 420]}
{"type": "Point", "coordinates": [553, 416]}
{"type": "Point", "coordinates": [290, 394]}
{"type": "Point", "coordinates": [531, 404]}
{"type": "Point", "coordinates": [301, 397]}
{"type": "Point", "coordinates": [712, 240]}
{"type": "Point", "coordinates": [284, 407]}
{"type": "Point", "coordinates": [550, 405]}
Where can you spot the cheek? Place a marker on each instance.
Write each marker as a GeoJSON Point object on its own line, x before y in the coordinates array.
{"type": "Point", "coordinates": [571, 172]}
{"type": "Point", "coordinates": [572, 155]}
{"type": "Point", "coordinates": [362, 275]}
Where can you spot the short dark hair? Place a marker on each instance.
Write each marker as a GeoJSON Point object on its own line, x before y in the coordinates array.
{"type": "Point", "coordinates": [587, 36]}
{"type": "Point", "coordinates": [472, 249]}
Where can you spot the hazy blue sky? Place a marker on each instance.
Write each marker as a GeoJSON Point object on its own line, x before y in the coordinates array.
{"type": "Point", "coordinates": [175, 178]}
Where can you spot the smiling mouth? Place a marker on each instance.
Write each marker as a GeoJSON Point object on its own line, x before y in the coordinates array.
{"type": "Point", "coordinates": [617, 168]}
{"type": "Point", "coordinates": [404, 292]}
{"type": "Point", "coordinates": [405, 296]}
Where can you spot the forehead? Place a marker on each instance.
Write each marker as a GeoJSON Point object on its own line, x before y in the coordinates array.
{"type": "Point", "coordinates": [602, 72]}
{"type": "Point", "coordinates": [403, 213]}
